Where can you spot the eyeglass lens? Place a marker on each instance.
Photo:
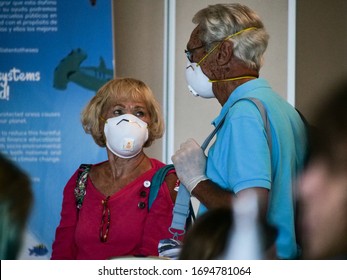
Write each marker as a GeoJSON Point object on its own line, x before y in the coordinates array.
{"type": "Point", "coordinates": [189, 52]}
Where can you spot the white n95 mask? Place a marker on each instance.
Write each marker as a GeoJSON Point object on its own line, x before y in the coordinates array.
{"type": "Point", "coordinates": [198, 82]}
{"type": "Point", "coordinates": [125, 135]}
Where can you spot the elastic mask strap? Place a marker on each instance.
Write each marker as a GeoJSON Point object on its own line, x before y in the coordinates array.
{"type": "Point", "coordinates": [102, 119]}
{"type": "Point", "coordinates": [230, 36]}
{"type": "Point", "coordinates": [233, 79]}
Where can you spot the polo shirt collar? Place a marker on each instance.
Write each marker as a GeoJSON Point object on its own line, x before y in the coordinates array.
{"type": "Point", "coordinates": [240, 92]}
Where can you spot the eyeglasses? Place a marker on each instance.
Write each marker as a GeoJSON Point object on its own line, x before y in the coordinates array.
{"type": "Point", "coordinates": [105, 221]}
{"type": "Point", "coordinates": [189, 52]}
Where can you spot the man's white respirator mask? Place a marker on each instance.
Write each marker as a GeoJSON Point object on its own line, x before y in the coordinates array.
{"type": "Point", "coordinates": [198, 82]}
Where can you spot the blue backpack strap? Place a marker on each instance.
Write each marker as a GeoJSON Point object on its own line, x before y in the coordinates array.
{"type": "Point", "coordinates": [157, 181]}
{"type": "Point", "coordinates": [183, 207]}
{"type": "Point", "coordinates": [180, 212]}
{"type": "Point", "coordinates": [264, 116]}
{"type": "Point", "coordinates": [80, 188]}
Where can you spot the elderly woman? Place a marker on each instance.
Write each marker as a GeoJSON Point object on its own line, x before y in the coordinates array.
{"type": "Point", "coordinates": [112, 217]}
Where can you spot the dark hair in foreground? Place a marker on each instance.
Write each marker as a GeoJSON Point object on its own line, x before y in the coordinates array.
{"type": "Point", "coordinates": [15, 202]}
{"type": "Point", "coordinates": [329, 138]}
{"type": "Point", "coordinates": [207, 238]}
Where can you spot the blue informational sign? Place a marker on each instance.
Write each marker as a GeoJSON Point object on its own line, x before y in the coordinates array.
{"type": "Point", "coordinates": [54, 55]}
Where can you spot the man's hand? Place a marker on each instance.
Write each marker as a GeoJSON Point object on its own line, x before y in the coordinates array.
{"type": "Point", "coordinates": [190, 164]}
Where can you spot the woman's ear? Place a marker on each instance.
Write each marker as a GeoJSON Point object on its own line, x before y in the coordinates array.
{"type": "Point", "coordinates": [225, 52]}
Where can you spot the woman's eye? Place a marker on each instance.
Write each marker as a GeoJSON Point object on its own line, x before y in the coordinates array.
{"type": "Point", "coordinates": [118, 112]}
{"type": "Point", "coordinates": [139, 114]}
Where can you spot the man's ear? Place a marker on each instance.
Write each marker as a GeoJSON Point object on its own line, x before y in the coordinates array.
{"type": "Point", "coordinates": [225, 52]}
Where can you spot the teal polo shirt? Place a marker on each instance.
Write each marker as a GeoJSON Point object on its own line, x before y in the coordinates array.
{"type": "Point", "coordinates": [240, 157]}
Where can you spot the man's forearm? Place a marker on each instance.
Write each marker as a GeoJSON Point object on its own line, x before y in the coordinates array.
{"type": "Point", "coordinates": [211, 195]}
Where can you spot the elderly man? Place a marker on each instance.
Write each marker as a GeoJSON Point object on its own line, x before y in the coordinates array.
{"type": "Point", "coordinates": [225, 54]}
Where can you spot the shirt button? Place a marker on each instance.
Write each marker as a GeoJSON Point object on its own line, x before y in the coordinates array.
{"type": "Point", "coordinates": [141, 205]}
{"type": "Point", "coordinates": [146, 184]}
{"type": "Point", "coordinates": [143, 194]}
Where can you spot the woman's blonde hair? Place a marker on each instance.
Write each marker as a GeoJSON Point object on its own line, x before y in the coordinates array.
{"type": "Point", "coordinates": [119, 89]}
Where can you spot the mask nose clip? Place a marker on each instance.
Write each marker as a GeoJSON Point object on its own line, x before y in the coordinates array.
{"type": "Point", "coordinates": [189, 66]}
{"type": "Point", "coordinates": [122, 120]}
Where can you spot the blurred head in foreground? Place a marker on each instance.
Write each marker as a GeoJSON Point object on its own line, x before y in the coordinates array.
{"type": "Point", "coordinates": [323, 185]}
{"type": "Point", "coordinates": [15, 202]}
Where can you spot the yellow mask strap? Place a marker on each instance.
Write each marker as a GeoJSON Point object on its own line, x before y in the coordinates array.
{"type": "Point", "coordinates": [233, 79]}
{"type": "Point", "coordinates": [102, 119]}
{"type": "Point", "coordinates": [230, 36]}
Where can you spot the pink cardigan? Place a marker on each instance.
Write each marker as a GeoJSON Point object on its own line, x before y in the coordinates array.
{"type": "Point", "coordinates": [133, 230]}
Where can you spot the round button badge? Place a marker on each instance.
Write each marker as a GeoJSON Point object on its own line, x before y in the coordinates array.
{"type": "Point", "coordinates": [146, 184]}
